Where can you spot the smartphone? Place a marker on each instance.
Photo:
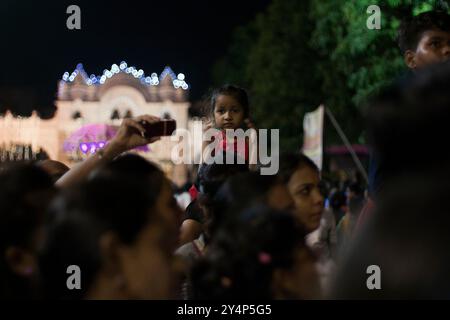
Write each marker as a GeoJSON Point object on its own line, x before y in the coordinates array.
{"type": "Point", "coordinates": [158, 129]}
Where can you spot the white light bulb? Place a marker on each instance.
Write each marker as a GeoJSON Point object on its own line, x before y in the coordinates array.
{"type": "Point", "coordinates": [180, 76]}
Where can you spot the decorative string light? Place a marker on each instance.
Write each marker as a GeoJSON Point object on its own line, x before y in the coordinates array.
{"type": "Point", "coordinates": [153, 80]}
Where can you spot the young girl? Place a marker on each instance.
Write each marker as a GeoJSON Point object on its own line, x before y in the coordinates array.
{"type": "Point", "coordinates": [229, 109]}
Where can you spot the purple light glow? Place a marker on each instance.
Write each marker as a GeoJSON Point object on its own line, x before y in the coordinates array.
{"type": "Point", "coordinates": [83, 147]}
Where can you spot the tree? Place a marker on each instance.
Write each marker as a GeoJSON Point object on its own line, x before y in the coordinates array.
{"type": "Point", "coordinates": [359, 60]}
{"type": "Point", "coordinates": [269, 57]}
{"type": "Point", "coordinates": [298, 54]}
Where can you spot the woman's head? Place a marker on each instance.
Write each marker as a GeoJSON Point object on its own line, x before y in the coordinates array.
{"type": "Point", "coordinates": [229, 107]}
{"type": "Point", "coordinates": [302, 178]}
{"type": "Point", "coordinates": [210, 178]}
{"type": "Point", "coordinates": [54, 168]}
{"type": "Point", "coordinates": [25, 192]}
{"type": "Point", "coordinates": [114, 229]}
{"type": "Point", "coordinates": [260, 255]}
{"type": "Point", "coordinates": [243, 191]}
{"type": "Point", "coordinates": [137, 168]}
{"type": "Point", "coordinates": [246, 189]}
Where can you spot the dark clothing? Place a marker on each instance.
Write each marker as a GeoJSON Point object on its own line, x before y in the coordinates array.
{"type": "Point", "coordinates": [376, 170]}
{"type": "Point", "coordinates": [194, 212]}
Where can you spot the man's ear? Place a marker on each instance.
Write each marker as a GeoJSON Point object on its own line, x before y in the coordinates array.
{"type": "Point", "coordinates": [410, 59]}
{"type": "Point", "coordinates": [21, 261]}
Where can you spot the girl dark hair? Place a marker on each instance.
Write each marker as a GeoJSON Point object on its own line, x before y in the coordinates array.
{"type": "Point", "coordinates": [290, 162]}
{"type": "Point", "coordinates": [250, 256]}
{"type": "Point", "coordinates": [239, 94]}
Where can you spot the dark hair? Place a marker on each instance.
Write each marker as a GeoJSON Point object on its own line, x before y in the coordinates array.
{"type": "Point", "coordinates": [25, 192]}
{"type": "Point", "coordinates": [54, 168]}
{"type": "Point", "coordinates": [232, 267]}
{"type": "Point", "coordinates": [236, 92]}
{"type": "Point", "coordinates": [238, 193]}
{"type": "Point", "coordinates": [78, 218]}
{"type": "Point", "coordinates": [412, 28]}
{"type": "Point", "coordinates": [131, 165]}
{"type": "Point", "coordinates": [210, 178]}
{"type": "Point", "coordinates": [291, 162]}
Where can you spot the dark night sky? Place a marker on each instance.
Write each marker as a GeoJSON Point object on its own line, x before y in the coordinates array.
{"type": "Point", "coordinates": [36, 48]}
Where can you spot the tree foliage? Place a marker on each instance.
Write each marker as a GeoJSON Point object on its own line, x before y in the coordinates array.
{"type": "Point", "coordinates": [298, 54]}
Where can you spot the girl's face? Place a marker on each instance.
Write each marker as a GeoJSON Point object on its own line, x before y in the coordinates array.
{"type": "Point", "coordinates": [228, 113]}
{"type": "Point", "coordinates": [305, 190]}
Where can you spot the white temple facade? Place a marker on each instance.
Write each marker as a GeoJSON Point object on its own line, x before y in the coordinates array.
{"type": "Point", "coordinates": [119, 92]}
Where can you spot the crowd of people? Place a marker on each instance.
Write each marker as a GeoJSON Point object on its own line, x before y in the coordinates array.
{"type": "Point", "coordinates": [115, 216]}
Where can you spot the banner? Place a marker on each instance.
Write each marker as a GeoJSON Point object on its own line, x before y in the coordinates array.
{"type": "Point", "coordinates": [313, 135]}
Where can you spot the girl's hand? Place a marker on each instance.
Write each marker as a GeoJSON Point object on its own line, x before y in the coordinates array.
{"type": "Point", "coordinates": [208, 124]}
{"type": "Point", "coordinates": [249, 123]}
{"type": "Point", "coordinates": [131, 134]}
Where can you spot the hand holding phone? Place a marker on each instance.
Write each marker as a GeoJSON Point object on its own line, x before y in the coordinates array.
{"type": "Point", "coordinates": [158, 129]}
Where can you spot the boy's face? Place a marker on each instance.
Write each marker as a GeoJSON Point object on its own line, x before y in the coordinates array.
{"type": "Point", "coordinates": [433, 47]}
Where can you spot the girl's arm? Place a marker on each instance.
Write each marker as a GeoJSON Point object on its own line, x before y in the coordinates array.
{"type": "Point", "coordinates": [252, 146]}
{"type": "Point", "coordinates": [208, 125]}
{"type": "Point", "coordinates": [130, 135]}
